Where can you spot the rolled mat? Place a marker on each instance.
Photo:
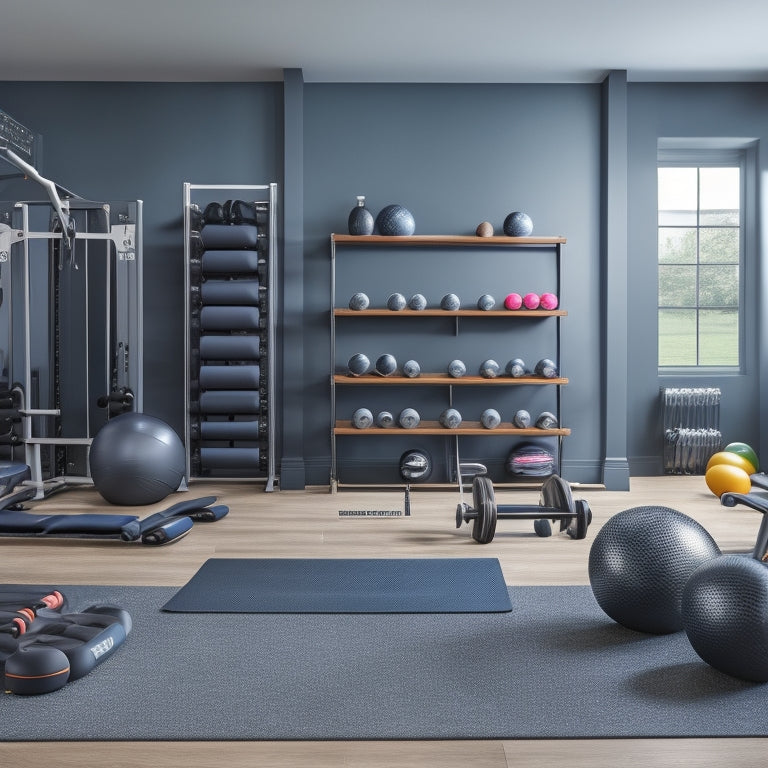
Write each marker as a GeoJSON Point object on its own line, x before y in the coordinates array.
{"type": "Point", "coordinates": [229, 458]}
{"type": "Point", "coordinates": [230, 348]}
{"type": "Point", "coordinates": [229, 318]}
{"type": "Point", "coordinates": [230, 430]}
{"type": "Point", "coordinates": [230, 292]}
{"type": "Point", "coordinates": [229, 401]}
{"type": "Point", "coordinates": [230, 262]}
{"type": "Point", "coordinates": [229, 376]}
{"type": "Point", "coordinates": [230, 236]}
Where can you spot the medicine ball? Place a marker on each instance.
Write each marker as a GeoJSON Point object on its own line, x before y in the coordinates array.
{"type": "Point", "coordinates": [136, 459]}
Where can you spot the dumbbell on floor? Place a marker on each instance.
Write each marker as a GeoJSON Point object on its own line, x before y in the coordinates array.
{"type": "Point", "coordinates": [556, 504]}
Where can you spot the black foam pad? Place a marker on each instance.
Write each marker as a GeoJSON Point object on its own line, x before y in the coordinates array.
{"type": "Point", "coordinates": [230, 236]}
{"type": "Point", "coordinates": [230, 292]}
{"type": "Point", "coordinates": [230, 262]}
{"type": "Point", "coordinates": [229, 318]}
{"type": "Point", "coordinates": [229, 376]}
{"type": "Point", "coordinates": [229, 402]}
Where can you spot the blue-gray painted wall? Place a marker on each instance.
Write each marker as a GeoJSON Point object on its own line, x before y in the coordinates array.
{"type": "Point", "coordinates": [454, 155]}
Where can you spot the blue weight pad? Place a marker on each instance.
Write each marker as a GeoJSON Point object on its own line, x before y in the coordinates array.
{"type": "Point", "coordinates": [31, 524]}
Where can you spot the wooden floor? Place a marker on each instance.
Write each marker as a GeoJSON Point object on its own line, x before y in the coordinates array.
{"type": "Point", "coordinates": [309, 524]}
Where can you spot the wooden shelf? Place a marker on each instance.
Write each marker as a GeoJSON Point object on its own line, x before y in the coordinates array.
{"type": "Point", "coordinates": [444, 240]}
{"type": "Point", "coordinates": [432, 379]}
{"type": "Point", "coordinates": [530, 313]}
{"type": "Point", "coordinates": [436, 428]}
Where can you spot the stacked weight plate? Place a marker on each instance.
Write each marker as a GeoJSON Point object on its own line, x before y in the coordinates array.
{"type": "Point", "coordinates": [230, 432]}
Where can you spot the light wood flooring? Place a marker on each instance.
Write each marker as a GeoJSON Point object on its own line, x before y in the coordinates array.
{"type": "Point", "coordinates": [308, 524]}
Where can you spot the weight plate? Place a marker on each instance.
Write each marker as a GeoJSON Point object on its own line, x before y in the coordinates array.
{"type": "Point", "coordinates": [578, 529]}
{"type": "Point", "coordinates": [484, 527]}
{"type": "Point", "coordinates": [542, 527]}
{"type": "Point", "coordinates": [556, 493]}
{"type": "Point", "coordinates": [461, 509]}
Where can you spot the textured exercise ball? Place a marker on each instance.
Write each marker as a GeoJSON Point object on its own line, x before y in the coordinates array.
{"type": "Point", "coordinates": [640, 562]}
{"type": "Point", "coordinates": [518, 224]}
{"type": "Point", "coordinates": [136, 459]}
{"type": "Point", "coordinates": [725, 615]}
{"type": "Point", "coordinates": [395, 220]}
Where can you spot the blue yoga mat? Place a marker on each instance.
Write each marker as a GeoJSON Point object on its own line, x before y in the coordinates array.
{"type": "Point", "coordinates": [284, 585]}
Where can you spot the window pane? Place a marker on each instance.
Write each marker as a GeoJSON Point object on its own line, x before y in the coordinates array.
{"type": "Point", "coordinates": [719, 337]}
{"type": "Point", "coordinates": [677, 286]}
{"type": "Point", "coordinates": [678, 196]}
{"type": "Point", "coordinates": [677, 244]}
{"type": "Point", "coordinates": [719, 286]}
{"type": "Point", "coordinates": [719, 195]}
{"type": "Point", "coordinates": [677, 337]}
{"type": "Point", "coordinates": [719, 245]}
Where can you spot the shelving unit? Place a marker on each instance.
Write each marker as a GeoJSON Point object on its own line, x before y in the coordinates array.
{"type": "Point", "coordinates": [500, 322]}
{"type": "Point", "coordinates": [230, 332]}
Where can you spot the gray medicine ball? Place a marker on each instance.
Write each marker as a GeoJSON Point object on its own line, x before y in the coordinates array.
{"type": "Point", "coordinates": [359, 301]}
{"type": "Point", "coordinates": [489, 369]}
{"type": "Point", "coordinates": [450, 418]}
{"type": "Point", "coordinates": [358, 364]}
{"type": "Point", "coordinates": [385, 419]}
{"type": "Point", "coordinates": [136, 459]}
{"type": "Point", "coordinates": [486, 302]}
{"type": "Point", "coordinates": [522, 419]}
{"type": "Point", "coordinates": [456, 369]}
{"type": "Point", "coordinates": [516, 368]}
{"type": "Point", "coordinates": [396, 302]}
{"type": "Point", "coordinates": [640, 563]}
{"type": "Point", "coordinates": [411, 369]}
{"type": "Point", "coordinates": [490, 418]}
{"type": "Point", "coordinates": [417, 302]}
{"type": "Point", "coordinates": [409, 418]}
{"type": "Point", "coordinates": [386, 365]}
{"type": "Point", "coordinates": [450, 302]}
{"type": "Point", "coordinates": [362, 418]}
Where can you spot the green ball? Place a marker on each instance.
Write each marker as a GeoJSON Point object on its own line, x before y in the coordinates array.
{"type": "Point", "coordinates": [746, 452]}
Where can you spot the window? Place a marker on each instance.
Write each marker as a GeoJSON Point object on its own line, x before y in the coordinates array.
{"type": "Point", "coordinates": [700, 260]}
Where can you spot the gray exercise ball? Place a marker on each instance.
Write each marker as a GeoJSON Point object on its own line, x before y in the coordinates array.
{"type": "Point", "coordinates": [136, 459]}
{"type": "Point", "coordinates": [725, 615]}
{"type": "Point", "coordinates": [640, 562]}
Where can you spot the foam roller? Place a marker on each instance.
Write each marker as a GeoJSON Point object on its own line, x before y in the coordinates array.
{"type": "Point", "coordinates": [229, 318]}
{"type": "Point", "coordinates": [230, 236]}
{"type": "Point", "coordinates": [230, 430]}
{"type": "Point", "coordinates": [229, 376]}
{"type": "Point", "coordinates": [230, 292]}
{"type": "Point", "coordinates": [230, 262]}
{"type": "Point", "coordinates": [229, 458]}
{"type": "Point", "coordinates": [230, 347]}
{"type": "Point", "coordinates": [229, 402]}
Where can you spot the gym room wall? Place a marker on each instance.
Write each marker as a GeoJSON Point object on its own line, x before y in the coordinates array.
{"type": "Point", "coordinates": [454, 155]}
{"type": "Point", "coordinates": [696, 111]}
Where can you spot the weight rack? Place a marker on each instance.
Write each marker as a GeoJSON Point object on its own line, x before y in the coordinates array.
{"type": "Point", "coordinates": [230, 331]}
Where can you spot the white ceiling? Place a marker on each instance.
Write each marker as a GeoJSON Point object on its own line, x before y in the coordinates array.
{"type": "Point", "coordinates": [569, 41]}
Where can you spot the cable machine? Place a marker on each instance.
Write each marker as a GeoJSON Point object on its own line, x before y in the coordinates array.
{"type": "Point", "coordinates": [71, 330]}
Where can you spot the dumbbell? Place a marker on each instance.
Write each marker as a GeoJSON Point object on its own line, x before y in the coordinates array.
{"type": "Point", "coordinates": [556, 503]}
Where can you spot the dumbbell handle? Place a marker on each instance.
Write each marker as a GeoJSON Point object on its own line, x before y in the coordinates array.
{"type": "Point", "coordinates": [523, 512]}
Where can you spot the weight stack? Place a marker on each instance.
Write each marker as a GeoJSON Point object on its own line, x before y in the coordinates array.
{"type": "Point", "coordinates": [692, 434]}
{"type": "Point", "coordinates": [230, 361]}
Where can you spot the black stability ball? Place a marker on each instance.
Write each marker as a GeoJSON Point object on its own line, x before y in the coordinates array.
{"type": "Point", "coordinates": [136, 459]}
{"type": "Point", "coordinates": [639, 564]}
{"type": "Point", "coordinates": [725, 615]}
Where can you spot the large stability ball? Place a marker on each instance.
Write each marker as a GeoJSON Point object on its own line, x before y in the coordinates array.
{"type": "Point", "coordinates": [639, 564]}
{"type": "Point", "coordinates": [136, 459]}
{"type": "Point", "coordinates": [725, 615]}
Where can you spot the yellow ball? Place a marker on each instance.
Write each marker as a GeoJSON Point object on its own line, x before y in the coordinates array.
{"type": "Point", "coordinates": [726, 478]}
{"type": "Point", "coordinates": [732, 459]}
